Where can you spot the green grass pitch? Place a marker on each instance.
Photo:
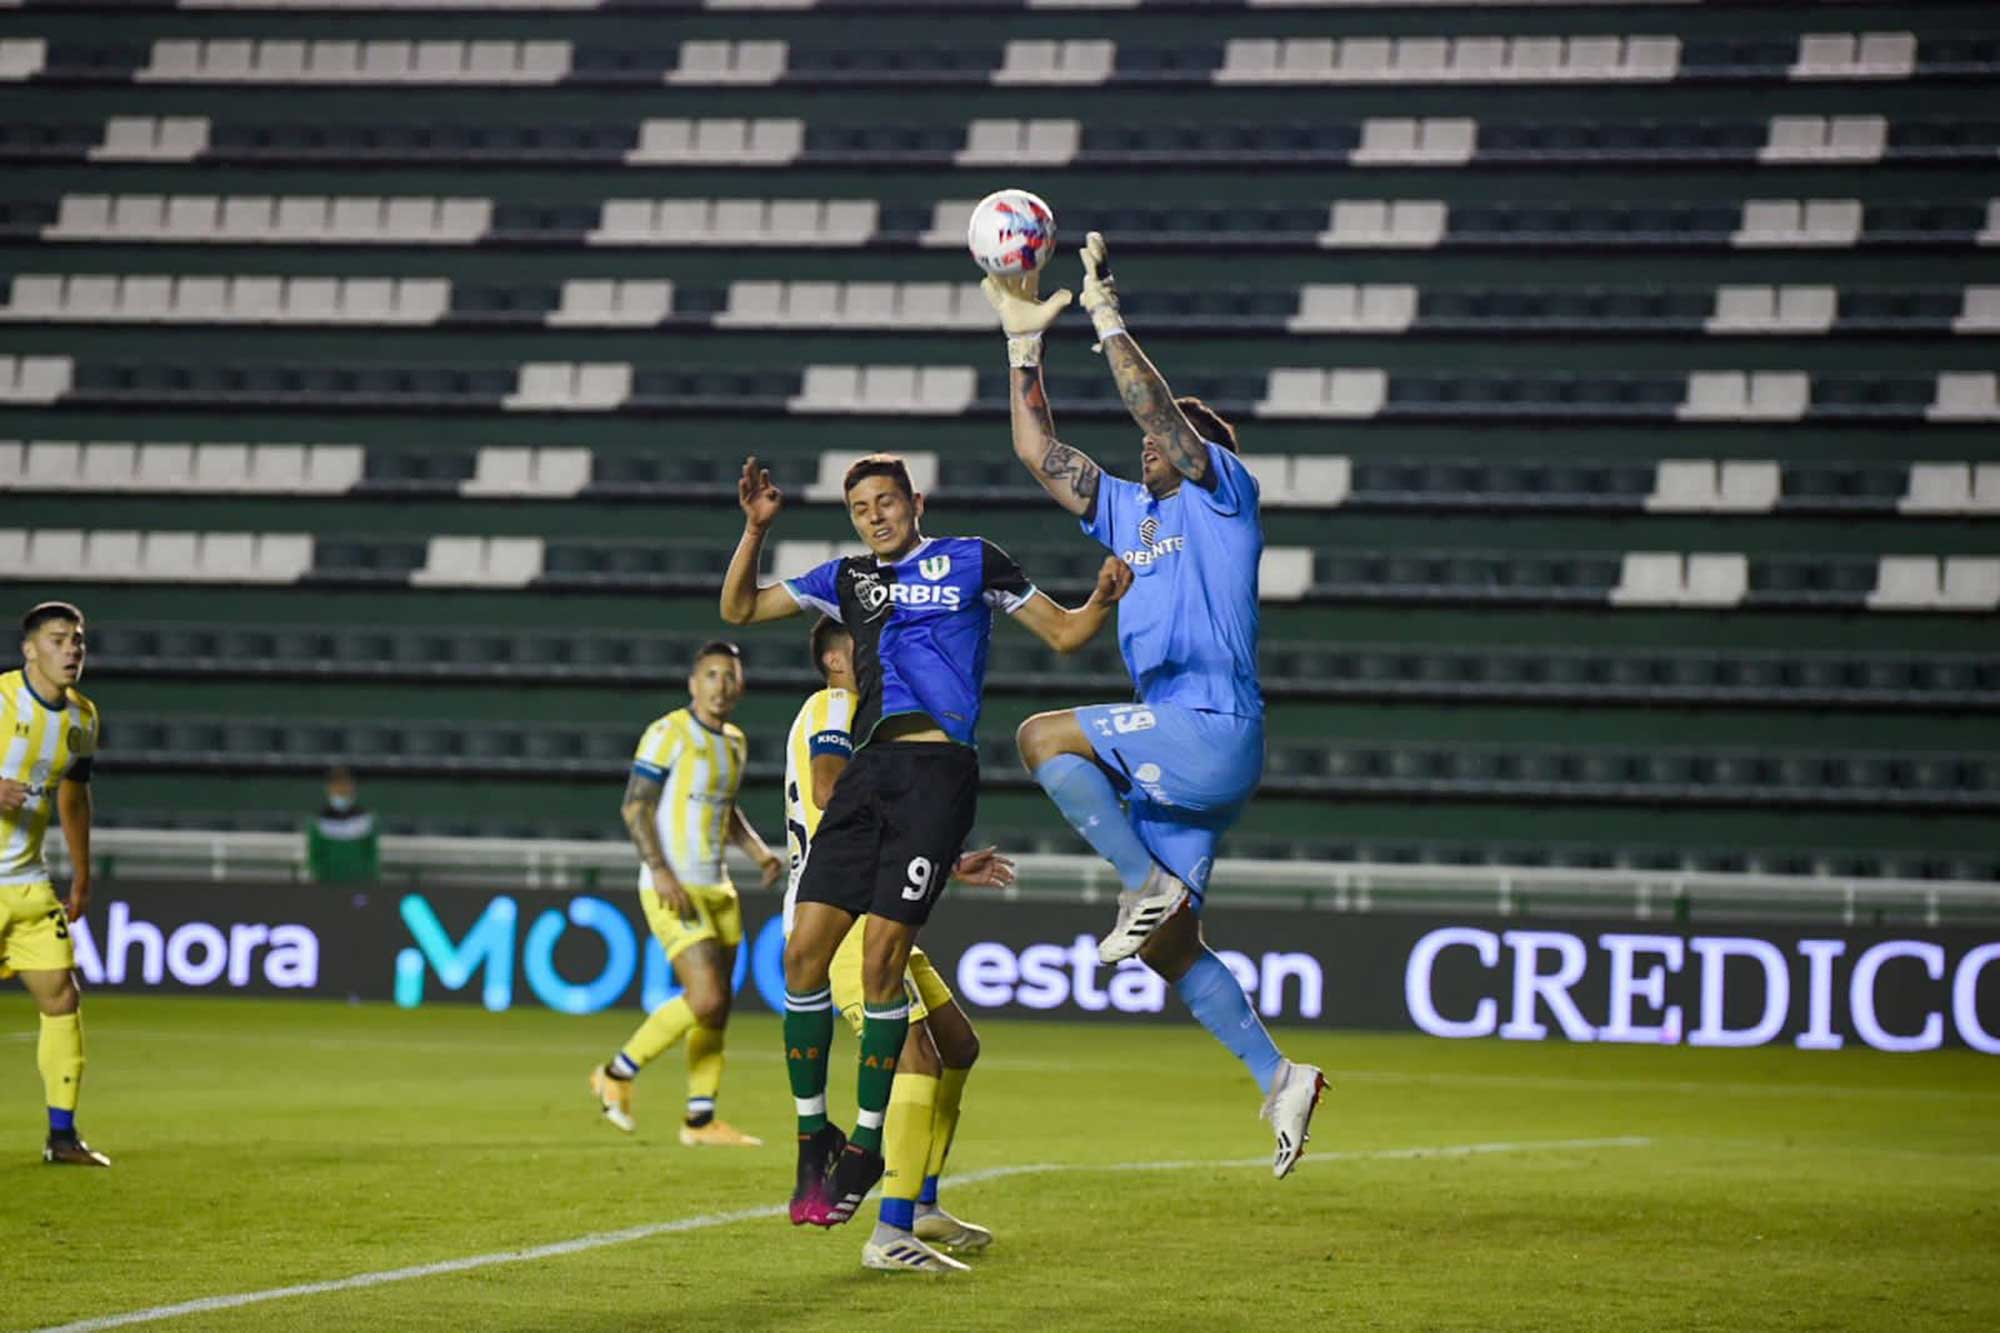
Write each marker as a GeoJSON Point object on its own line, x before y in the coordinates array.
{"type": "Point", "coordinates": [261, 1145]}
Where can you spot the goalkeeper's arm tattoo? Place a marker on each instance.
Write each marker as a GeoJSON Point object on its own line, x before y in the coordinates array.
{"type": "Point", "coordinates": [1068, 475]}
{"type": "Point", "coordinates": [1153, 407]}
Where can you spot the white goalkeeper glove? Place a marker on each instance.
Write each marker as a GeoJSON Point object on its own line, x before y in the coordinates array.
{"type": "Point", "coordinates": [1023, 317]}
{"type": "Point", "coordinates": [1100, 292]}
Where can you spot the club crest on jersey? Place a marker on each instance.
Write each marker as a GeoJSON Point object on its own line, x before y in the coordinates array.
{"type": "Point", "coordinates": [935, 567]}
{"type": "Point", "coordinates": [868, 591]}
{"type": "Point", "coordinates": [1149, 530]}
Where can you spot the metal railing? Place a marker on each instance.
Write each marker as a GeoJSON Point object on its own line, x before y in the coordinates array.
{"type": "Point", "coordinates": [610, 866]}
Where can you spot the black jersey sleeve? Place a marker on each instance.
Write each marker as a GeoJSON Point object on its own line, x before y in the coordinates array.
{"type": "Point", "coordinates": [1002, 582]}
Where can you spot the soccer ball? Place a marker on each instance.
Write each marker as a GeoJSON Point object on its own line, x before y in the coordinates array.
{"type": "Point", "coordinates": [1011, 233]}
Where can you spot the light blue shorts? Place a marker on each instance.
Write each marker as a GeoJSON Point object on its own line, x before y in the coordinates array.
{"type": "Point", "coordinates": [1191, 773]}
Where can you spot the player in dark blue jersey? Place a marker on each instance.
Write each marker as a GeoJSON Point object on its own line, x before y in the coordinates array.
{"type": "Point", "coordinates": [920, 611]}
{"type": "Point", "coordinates": [1154, 785]}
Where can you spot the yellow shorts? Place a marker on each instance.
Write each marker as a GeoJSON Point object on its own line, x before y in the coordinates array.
{"type": "Point", "coordinates": [34, 930]}
{"type": "Point", "coordinates": [921, 981]}
{"type": "Point", "coordinates": [718, 916]}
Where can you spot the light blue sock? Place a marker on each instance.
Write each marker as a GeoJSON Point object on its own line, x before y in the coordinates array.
{"type": "Point", "coordinates": [1090, 804]}
{"type": "Point", "coordinates": [1209, 988]}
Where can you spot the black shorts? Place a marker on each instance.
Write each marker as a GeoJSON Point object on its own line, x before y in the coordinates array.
{"type": "Point", "coordinates": [892, 833]}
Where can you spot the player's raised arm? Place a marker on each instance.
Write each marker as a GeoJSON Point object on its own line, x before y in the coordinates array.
{"type": "Point", "coordinates": [1065, 629]}
{"type": "Point", "coordinates": [743, 601]}
{"type": "Point", "coordinates": [1142, 387]}
{"type": "Point", "coordinates": [1068, 475]}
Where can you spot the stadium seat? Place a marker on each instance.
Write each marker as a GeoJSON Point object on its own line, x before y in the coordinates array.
{"type": "Point", "coordinates": [568, 386]}
{"type": "Point", "coordinates": [1063, 63]}
{"type": "Point", "coordinates": [733, 63]}
{"type": "Point", "coordinates": [35, 379]}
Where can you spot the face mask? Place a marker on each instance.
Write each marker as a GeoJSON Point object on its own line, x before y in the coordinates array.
{"type": "Point", "coordinates": [340, 802]}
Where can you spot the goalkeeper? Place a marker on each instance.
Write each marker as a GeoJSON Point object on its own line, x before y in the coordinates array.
{"type": "Point", "coordinates": [1154, 785]}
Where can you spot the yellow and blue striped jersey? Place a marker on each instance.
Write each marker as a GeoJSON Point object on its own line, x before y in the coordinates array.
{"type": "Point", "coordinates": [44, 743]}
{"type": "Point", "coordinates": [701, 770]}
{"type": "Point", "coordinates": [824, 726]}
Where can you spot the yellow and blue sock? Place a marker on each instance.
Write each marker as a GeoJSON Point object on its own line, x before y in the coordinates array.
{"type": "Point", "coordinates": [906, 1147]}
{"type": "Point", "coordinates": [944, 1128]}
{"type": "Point", "coordinates": [1210, 989]}
{"type": "Point", "coordinates": [662, 1028]}
{"type": "Point", "coordinates": [59, 1056]}
{"type": "Point", "coordinates": [1090, 804]}
{"type": "Point", "coordinates": [705, 1061]}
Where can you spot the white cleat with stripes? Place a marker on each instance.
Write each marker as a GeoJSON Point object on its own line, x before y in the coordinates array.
{"type": "Point", "coordinates": [1141, 911]}
{"type": "Point", "coordinates": [1295, 1092]}
{"type": "Point", "coordinates": [892, 1251]}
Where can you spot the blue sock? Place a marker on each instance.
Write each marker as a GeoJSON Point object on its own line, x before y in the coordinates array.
{"type": "Point", "coordinates": [1090, 804]}
{"type": "Point", "coordinates": [61, 1121]}
{"type": "Point", "coordinates": [928, 1195]}
{"type": "Point", "coordinates": [1210, 990]}
{"type": "Point", "coordinates": [899, 1213]}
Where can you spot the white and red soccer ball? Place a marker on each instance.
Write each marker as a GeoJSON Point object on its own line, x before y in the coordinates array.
{"type": "Point", "coordinates": [1011, 233]}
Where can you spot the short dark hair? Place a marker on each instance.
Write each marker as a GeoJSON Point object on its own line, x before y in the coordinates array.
{"type": "Point", "coordinates": [47, 613]}
{"type": "Point", "coordinates": [824, 631]}
{"type": "Point", "coordinates": [878, 465]}
{"type": "Point", "coordinates": [716, 648]}
{"type": "Point", "coordinates": [1207, 422]}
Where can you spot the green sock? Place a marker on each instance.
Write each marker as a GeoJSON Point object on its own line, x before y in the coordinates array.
{"type": "Point", "coordinates": [808, 1033]}
{"type": "Point", "coordinates": [883, 1028]}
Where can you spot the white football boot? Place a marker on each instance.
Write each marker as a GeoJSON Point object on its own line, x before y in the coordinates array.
{"type": "Point", "coordinates": [893, 1251]}
{"type": "Point", "coordinates": [940, 1228]}
{"type": "Point", "coordinates": [1295, 1092]}
{"type": "Point", "coordinates": [1141, 911]}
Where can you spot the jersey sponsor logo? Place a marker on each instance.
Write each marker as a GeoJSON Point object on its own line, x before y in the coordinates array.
{"type": "Point", "coordinates": [935, 567]}
{"type": "Point", "coordinates": [925, 594]}
{"type": "Point", "coordinates": [1149, 530]}
{"type": "Point", "coordinates": [1153, 551]}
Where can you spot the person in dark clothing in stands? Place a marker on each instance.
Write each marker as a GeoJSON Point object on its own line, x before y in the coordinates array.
{"type": "Point", "coordinates": [341, 844]}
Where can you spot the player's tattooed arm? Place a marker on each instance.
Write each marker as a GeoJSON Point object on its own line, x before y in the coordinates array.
{"type": "Point", "coordinates": [640, 810]}
{"type": "Point", "coordinates": [1067, 474]}
{"type": "Point", "coordinates": [1152, 405]}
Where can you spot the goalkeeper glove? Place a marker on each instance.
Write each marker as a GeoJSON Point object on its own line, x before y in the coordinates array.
{"type": "Point", "coordinates": [1100, 291]}
{"type": "Point", "coordinates": [1023, 317]}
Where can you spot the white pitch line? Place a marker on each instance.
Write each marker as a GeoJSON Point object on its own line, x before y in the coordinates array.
{"type": "Point", "coordinates": [601, 1239]}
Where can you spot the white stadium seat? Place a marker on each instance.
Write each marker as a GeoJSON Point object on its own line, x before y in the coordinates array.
{"type": "Point", "coordinates": [34, 379]}
{"type": "Point", "coordinates": [1966, 396]}
{"type": "Point", "coordinates": [1938, 488]}
{"type": "Point", "coordinates": [1856, 55]}
{"type": "Point", "coordinates": [1080, 62]}
{"type": "Point", "coordinates": [1397, 224]}
{"type": "Point", "coordinates": [1796, 223]}
{"type": "Point", "coordinates": [570, 386]}
{"type": "Point", "coordinates": [152, 139]}
{"type": "Point", "coordinates": [1000, 143]}
{"type": "Point", "coordinates": [725, 63]}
